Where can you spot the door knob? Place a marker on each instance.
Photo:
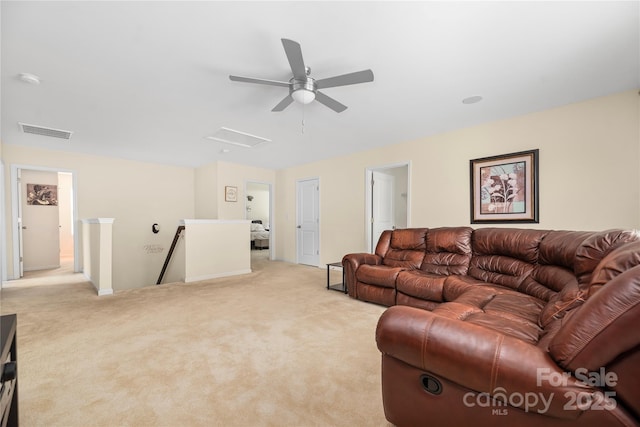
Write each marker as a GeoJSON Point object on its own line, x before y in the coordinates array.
{"type": "Point", "coordinates": [299, 226]}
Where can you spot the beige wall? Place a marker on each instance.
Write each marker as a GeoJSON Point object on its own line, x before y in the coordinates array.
{"type": "Point", "coordinates": [136, 194]}
{"type": "Point", "coordinates": [589, 179]}
{"type": "Point", "coordinates": [210, 181]}
{"type": "Point", "coordinates": [342, 210]}
{"type": "Point", "coordinates": [206, 191]}
{"type": "Point", "coordinates": [237, 175]}
{"type": "Point", "coordinates": [216, 248]}
{"type": "Point", "coordinates": [65, 185]}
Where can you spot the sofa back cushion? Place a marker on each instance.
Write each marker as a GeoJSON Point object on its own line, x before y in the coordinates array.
{"type": "Point", "coordinates": [618, 261]}
{"type": "Point", "coordinates": [448, 250]}
{"type": "Point", "coordinates": [600, 335]}
{"type": "Point", "coordinates": [595, 248]}
{"type": "Point", "coordinates": [384, 243]}
{"type": "Point", "coordinates": [603, 328]}
{"type": "Point", "coordinates": [406, 248]}
{"type": "Point", "coordinates": [560, 302]}
{"type": "Point", "coordinates": [560, 248]}
{"type": "Point", "coordinates": [553, 279]}
{"type": "Point", "coordinates": [504, 256]}
{"type": "Point", "coordinates": [584, 254]}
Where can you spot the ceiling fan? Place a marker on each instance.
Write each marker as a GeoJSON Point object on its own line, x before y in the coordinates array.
{"type": "Point", "coordinates": [302, 87]}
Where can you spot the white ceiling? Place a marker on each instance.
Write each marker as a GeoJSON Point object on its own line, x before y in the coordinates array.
{"type": "Point", "coordinates": [149, 80]}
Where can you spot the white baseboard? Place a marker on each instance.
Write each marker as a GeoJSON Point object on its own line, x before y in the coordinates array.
{"type": "Point", "coordinates": [42, 267]}
{"type": "Point", "coordinates": [102, 292]}
{"type": "Point", "coordinates": [216, 275]}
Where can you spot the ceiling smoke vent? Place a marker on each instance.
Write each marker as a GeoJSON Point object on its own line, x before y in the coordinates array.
{"type": "Point", "coordinates": [235, 137]}
{"type": "Point", "coordinates": [41, 130]}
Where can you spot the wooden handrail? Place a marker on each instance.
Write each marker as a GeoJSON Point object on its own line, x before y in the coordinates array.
{"type": "Point", "coordinates": [173, 246]}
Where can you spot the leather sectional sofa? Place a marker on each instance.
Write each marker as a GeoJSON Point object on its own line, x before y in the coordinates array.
{"type": "Point", "coordinates": [505, 326]}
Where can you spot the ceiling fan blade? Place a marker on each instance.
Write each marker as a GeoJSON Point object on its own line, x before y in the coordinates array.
{"type": "Point", "coordinates": [294, 55]}
{"type": "Point", "coordinates": [330, 102]}
{"type": "Point", "coordinates": [346, 79]}
{"type": "Point", "coordinates": [283, 104]}
{"type": "Point", "coordinates": [259, 81]}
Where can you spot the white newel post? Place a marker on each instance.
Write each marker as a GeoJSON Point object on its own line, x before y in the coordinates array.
{"type": "Point", "coordinates": [97, 250]}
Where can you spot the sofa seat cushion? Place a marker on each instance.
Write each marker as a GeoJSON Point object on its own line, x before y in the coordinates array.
{"type": "Point", "coordinates": [497, 308]}
{"type": "Point", "coordinates": [517, 307]}
{"type": "Point", "coordinates": [379, 275]}
{"type": "Point", "coordinates": [454, 286]}
{"type": "Point", "coordinates": [422, 285]}
{"type": "Point", "coordinates": [404, 299]}
{"type": "Point", "coordinates": [376, 294]}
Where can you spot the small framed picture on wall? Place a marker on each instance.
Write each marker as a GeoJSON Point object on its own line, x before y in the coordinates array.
{"type": "Point", "coordinates": [42, 194]}
{"type": "Point", "coordinates": [230, 194]}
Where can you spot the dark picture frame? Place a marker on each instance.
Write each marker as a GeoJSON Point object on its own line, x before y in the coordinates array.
{"type": "Point", "coordinates": [42, 194]}
{"type": "Point", "coordinates": [504, 188]}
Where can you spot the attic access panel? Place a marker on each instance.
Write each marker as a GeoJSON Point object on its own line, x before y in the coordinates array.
{"type": "Point", "coordinates": [236, 137]}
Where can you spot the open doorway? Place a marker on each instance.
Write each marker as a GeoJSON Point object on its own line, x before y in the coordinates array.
{"type": "Point", "coordinates": [258, 209]}
{"type": "Point", "coordinates": [387, 200]}
{"type": "Point", "coordinates": [43, 214]}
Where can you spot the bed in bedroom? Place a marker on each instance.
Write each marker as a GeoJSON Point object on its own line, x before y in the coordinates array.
{"type": "Point", "coordinates": [259, 235]}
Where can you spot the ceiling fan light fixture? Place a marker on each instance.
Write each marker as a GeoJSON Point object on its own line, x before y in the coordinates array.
{"type": "Point", "coordinates": [302, 87]}
{"type": "Point", "coordinates": [303, 96]}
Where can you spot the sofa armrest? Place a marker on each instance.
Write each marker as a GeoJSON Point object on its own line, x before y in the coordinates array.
{"type": "Point", "coordinates": [350, 264]}
{"type": "Point", "coordinates": [483, 361]}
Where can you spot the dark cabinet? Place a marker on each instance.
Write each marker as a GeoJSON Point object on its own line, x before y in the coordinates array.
{"type": "Point", "coordinates": [8, 371]}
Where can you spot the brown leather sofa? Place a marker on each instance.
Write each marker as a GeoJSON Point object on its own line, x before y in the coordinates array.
{"type": "Point", "coordinates": [505, 326]}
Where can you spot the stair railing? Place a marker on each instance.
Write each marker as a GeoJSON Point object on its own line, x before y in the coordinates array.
{"type": "Point", "coordinates": [173, 246]}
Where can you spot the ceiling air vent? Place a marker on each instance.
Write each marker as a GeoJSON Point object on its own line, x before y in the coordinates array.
{"type": "Point", "coordinates": [235, 137]}
{"type": "Point", "coordinates": [41, 130]}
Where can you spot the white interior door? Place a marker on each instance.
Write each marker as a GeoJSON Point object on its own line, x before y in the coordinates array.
{"type": "Point", "coordinates": [40, 220]}
{"type": "Point", "coordinates": [308, 222]}
{"type": "Point", "coordinates": [388, 208]}
{"type": "Point", "coordinates": [382, 205]}
{"type": "Point", "coordinates": [19, 225]}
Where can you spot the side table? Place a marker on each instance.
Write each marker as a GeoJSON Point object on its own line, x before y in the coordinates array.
{"type": "Point", "coordinates": [341, 286]}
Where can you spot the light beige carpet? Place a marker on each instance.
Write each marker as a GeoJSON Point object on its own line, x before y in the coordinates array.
{"type": "Point", "coordinates": [271, 348]}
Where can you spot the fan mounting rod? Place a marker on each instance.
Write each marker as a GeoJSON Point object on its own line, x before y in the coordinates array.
{"type": "Point", "coordinates": [309, 84]}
